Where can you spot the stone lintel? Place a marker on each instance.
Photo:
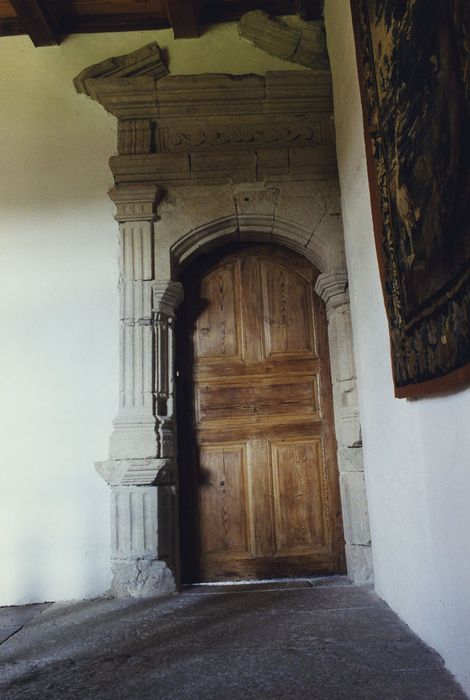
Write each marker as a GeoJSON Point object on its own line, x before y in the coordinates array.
{"type": "Point", "coordinates": [244, 166]}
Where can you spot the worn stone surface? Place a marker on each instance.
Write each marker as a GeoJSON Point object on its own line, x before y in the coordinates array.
{"type": "Point", "coordinates": [354, 504]}
{"type": "Point", "coordinates": [13, 618]}
{"type": "Point", "coordinates": [300, 42]}
{"type": "Point", "coordinates": [141, 578]}
{"type": "Point", "coordinates": [359, 560]}
{"type": "Point", "coordinates": [330, 640]}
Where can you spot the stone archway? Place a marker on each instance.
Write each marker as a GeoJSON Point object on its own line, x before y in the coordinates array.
{"type": "Point", "coordinates": [183, 189]}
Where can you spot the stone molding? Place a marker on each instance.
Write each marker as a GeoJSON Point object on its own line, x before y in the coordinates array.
{"type": "Point", "coordinates": [178, 129]}
{"type": "Point", "coordinates": [333, 288]}
{"type": "Point", "coordinates": [125, 85]}
{"type": "Point", "coordinates": [137, 472]}
{"type": "Point", "coordinates": [167, 296]}
{"type": "Point", "coordinates": [303, 43]}
{"type": "Point", "coordinates": [135, 202]}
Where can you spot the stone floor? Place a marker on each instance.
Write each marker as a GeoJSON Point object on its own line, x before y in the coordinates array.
{"type": "Point", "coordinates": [323, 638]}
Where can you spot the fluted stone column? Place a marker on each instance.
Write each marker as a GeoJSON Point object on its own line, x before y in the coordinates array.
{"type": "Point", "coordinates": [142, 466]}
{"type": "Point", "coordinates": [333, 289]}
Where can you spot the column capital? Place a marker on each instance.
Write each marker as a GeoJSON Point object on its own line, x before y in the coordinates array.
{"type": "Point", "coordinates": [135, 202]}
{"type": "Point", "coordinates": [332, 287]}
{"type": "Point", "coordinates": [167, 296]}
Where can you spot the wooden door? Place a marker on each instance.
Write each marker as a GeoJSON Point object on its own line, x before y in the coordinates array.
{"type": "Point", "coordinates": [258, 475]}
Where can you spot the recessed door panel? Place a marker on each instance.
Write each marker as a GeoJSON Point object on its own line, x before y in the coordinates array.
{"type": "Point", "coordinates": [286, 312]}
{"type": "Point", "coordinates": [216, 331]}
{"type": "Point", "coordinates": [224, 529]}
{"type": "Point", "coordinates": [299, 492]}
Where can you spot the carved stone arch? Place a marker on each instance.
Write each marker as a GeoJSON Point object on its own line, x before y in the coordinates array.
{"type": "Point", "coordinates": [327, 256]}
{"type": "Point", "coordinates": [332, 287]}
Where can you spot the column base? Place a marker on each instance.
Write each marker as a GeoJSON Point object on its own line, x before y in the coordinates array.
{"type": "Point", "coordinates": [141, 578]}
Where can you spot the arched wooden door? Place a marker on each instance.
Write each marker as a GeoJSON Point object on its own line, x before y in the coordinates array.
{"type": "Point", "coordinates": [259, 494]}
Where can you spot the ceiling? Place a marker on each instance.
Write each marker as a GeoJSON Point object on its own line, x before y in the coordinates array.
{"type": "Point", "coordinates": [48, 22]}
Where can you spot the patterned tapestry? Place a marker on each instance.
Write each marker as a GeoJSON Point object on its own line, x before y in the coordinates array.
{"type": "Point", "coordinates": [414, 67]}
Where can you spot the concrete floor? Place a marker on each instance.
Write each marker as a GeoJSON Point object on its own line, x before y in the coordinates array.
{"type": "Point", "coordinates": [323, 638]}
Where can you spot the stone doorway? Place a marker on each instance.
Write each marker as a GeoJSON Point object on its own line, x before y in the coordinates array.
{"type": "Point", "coordinates": [258, 164]}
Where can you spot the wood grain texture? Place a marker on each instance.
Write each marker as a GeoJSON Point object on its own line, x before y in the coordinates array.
{"type": "Point", "coordinates": [38, 21]}
{"type": "Point", "coordinates": [79, 16]}
{"type": "Point", "coordinates": [258, 475]}
{"type": "Point", "coordinates": [184, 17]}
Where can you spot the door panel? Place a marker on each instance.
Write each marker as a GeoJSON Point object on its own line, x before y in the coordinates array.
{"type": "Point", "coordinates": [258, 476]}
{"type": "Point", "coordinates": [224, 529]}
{"type": "Point", "coordinates": [286, 312]}
{"type": "Point", "coordinates": [298, 494]}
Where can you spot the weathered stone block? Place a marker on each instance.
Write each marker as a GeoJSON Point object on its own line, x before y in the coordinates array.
{"type": "Point", "coordinates": [303, 43]}
{"type": "Point", "coordinates": [141, 578]}
{"type": "Point", "coordinates": [354, 504]}
{"type": "Point", "coordinates": [360, 564]}
{"type": "Point", "coordinates": [222, 166]}
{"type": "Point", "coordinates": [269, 34]}
{"type": "Point", "coordinates": [161, 168]}
{"type": "Point", "coordinates": [350, 459]}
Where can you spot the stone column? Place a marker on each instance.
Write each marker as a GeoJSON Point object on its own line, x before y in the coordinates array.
{"type": "Point", "coordinates": [142, 466]}
{"type": "Point", "coordinates": [333, 289]}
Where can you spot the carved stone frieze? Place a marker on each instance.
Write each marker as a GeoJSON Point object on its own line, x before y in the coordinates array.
{"type": "Point", "coordinates": [182, 136]}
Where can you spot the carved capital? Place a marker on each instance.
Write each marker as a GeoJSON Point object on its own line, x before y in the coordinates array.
{"type": "Point", "coordinates": [137, 472]}
{"type": "Point", "coordinates": [332, 287]}
{"type": "Point", "coordinates": [135, 202]}
{"type": "Point", "coordinates": [167, 296]}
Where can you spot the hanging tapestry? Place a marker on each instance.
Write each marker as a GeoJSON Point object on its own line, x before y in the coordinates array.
{"type": "Point", "coordinates": [414, 69]}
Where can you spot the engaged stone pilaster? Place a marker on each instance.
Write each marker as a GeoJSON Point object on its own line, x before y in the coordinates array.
{"type": "Point", "coordinates": [142, 464]}
{"type": "Point", "coordinates": [135, 434]}
{"type": "Point", "coordinates": [333, 289]}
{"type": "Point", "coordinates": [167, 295]}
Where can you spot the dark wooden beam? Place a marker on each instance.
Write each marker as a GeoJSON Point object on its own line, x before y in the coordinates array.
{"type": "Point", "coordinates": [214, 11]}
{"type": "Point", "coordinates": [10, 26]}
{"type": "Point", "coordinates": [37, 21]}
{"type": "Point", "coordinates": [184, 17]}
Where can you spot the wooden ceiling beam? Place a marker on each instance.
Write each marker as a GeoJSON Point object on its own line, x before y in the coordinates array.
{"type": "Point", "coordinates": [184, 17]}
{"type": "Point", "coordinates": [37, 21]}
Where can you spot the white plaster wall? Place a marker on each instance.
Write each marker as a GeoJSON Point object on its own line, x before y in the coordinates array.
{"type": "Point", "coordinates": [58, 272]}
{"type": "Point", "coordinates": [417, 453]}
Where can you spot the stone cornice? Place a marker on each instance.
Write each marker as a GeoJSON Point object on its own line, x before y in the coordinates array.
{"type": "Point", "coordinates": [125, 85]}
{"type": "Point", "coordinates": [214, 128]}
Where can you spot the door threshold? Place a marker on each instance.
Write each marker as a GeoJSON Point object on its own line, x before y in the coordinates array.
{"type": "Point", "coordinates": [267, 584]}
